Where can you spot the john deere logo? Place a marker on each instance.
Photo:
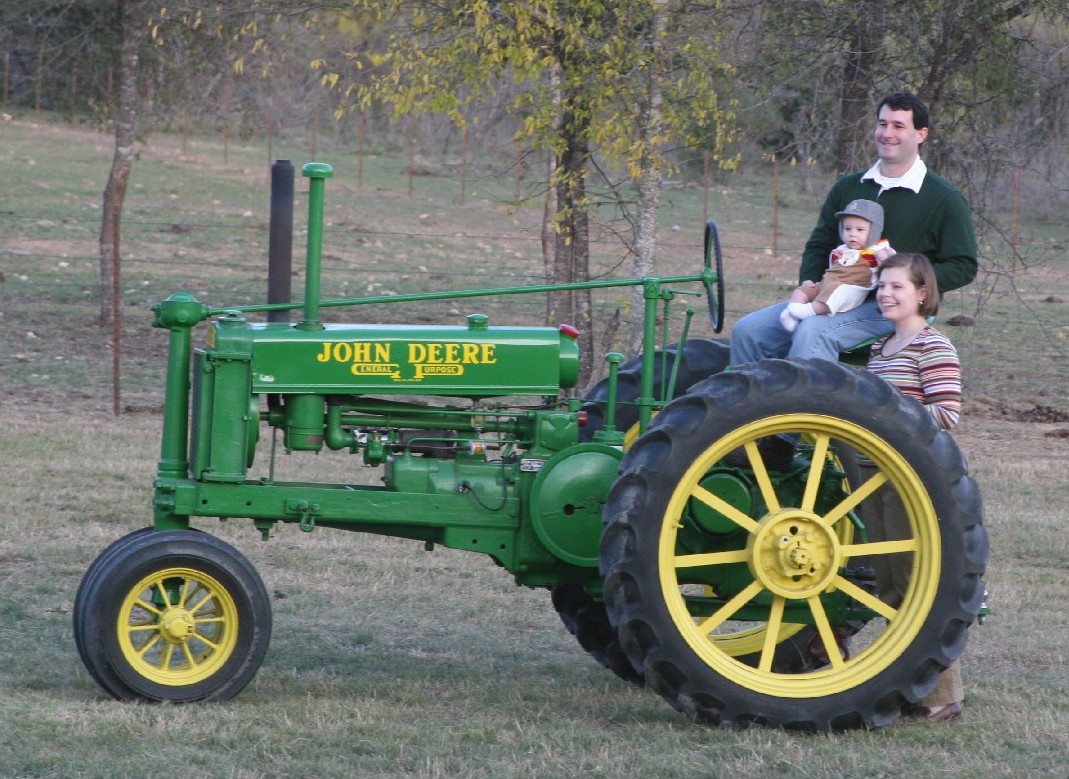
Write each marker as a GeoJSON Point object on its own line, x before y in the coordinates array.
{"type": "Point", "coordinates": [372, 358]}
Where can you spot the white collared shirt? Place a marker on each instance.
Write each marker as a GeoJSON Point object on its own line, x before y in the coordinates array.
{"type": "Point", "coordinates": [911, 179]}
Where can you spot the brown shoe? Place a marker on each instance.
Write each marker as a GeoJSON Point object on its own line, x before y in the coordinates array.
{"type": "Point", "coordinates": [947, 713]}
{"type": "Point", "coordinates": [776, 453]}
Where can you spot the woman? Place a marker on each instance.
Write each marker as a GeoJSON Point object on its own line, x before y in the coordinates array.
{"type": "Point", "coordinates": [923, 364]}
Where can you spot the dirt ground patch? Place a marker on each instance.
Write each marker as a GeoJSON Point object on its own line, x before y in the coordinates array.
{"type": "Point", "coordinates": [997, 408]}
{"type": "Point", "coordinates": [985, 409]}
{"type": "Point", "coordinates": [1002, 440]}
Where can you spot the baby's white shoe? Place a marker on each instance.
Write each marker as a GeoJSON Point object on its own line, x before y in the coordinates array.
{"type": "Point", "coordinates": [801, 310]}
{"type": "Point", "coordinates": [789, 322]}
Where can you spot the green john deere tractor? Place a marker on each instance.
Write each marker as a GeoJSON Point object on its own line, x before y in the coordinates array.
{"type": "Point", "coordinates": [739, 592]}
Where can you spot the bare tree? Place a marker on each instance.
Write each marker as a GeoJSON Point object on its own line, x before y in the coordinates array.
{"type": "Point", "coordinates": [132, 23]}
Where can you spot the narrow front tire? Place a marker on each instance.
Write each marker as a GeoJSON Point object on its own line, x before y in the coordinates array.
{"type": "Point", "coordinates": [174, 615]}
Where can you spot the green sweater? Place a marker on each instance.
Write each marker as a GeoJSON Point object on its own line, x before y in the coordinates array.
{"type": "Point", "coordinates": [935, 222]}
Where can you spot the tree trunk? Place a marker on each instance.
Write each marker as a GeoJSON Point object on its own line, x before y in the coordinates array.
{"type": "Point", "coordinates": [572, 239]}
{"type": "Point", "coordinates": [851, 142]}
{"type": "Point", "coordinates": [572, 250]}
{"type": "Point", "coordinates": [561, 308]}
{"type": "Point", "coordinates": [649, 181]}
{"type": "Point", "coordinates": [115, 191]}
{"type": "Point", "coordinates": [549, 213]}
{"type": "Point", "coordinates": [549, 233]}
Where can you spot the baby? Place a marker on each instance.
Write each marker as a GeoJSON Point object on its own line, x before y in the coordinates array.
{"type": "Point", "coordinates": [851, 267]}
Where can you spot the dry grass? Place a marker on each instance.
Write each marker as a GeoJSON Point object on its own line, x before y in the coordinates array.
{"type": "Point", "coordinates": [387, 661]}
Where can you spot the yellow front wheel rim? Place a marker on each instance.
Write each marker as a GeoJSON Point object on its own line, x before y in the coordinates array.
{"type": "Point", "coordinates": [177, 626]}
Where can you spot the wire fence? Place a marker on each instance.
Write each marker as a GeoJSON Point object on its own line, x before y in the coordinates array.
{"type": "Point", "coordinates": [51, 292]}
{"type": "Point", "coordinates": [1015, 346]}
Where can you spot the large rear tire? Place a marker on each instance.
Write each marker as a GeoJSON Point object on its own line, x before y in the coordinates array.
{"type": "Point", "coordinates": [673, 587]}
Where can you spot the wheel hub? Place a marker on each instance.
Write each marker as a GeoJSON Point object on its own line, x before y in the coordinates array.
{"type": "Point", "coordinates": [177, 625]}
{"type": "Point", "coordinates": [794, 554]}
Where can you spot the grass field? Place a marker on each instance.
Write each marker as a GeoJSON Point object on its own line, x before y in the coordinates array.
{"type": "Point", "coordinates": [386, 660]}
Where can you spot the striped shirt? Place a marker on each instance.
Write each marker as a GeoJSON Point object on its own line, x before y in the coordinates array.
{"type": "Point", "coordinates": [927, 370]}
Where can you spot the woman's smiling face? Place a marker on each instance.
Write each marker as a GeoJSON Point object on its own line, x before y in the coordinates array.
{"type": "Point", "coordinates": [897, 296]}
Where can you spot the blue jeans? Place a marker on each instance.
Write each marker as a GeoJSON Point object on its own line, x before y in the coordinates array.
{"type": "Point", "coordinates": [760, 334]}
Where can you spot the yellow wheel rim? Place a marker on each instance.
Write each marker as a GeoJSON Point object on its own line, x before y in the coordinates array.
{"type": "Point", "coordinates": [794, 555]}
{"type": "Point", "coordinates": [177, 626]}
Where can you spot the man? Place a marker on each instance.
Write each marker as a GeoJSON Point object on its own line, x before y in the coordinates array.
{"type": "Point", "coordinates": [923, 212]}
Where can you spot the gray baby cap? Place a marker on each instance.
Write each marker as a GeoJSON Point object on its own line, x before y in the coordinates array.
{"type": "Point", "coordinates": [866, 209]}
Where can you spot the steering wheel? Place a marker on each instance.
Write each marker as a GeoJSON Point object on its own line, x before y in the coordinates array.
{"type": "Point", "coordinates": [714, 274]}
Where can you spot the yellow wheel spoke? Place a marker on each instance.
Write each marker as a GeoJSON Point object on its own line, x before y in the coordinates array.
{"type": "Point", "coordinates": [719, 504]}
{"type": "Point", "coordinates": [168, 654]}
{"type": "Point", "coordinates": [711, 558]}
{"type": "Point", "coordinates": [760, 473]}
{"type": "Point", "coordinates": [827, 635]}
{"type": "Point", "coordinates": [152, 642]}
{"type": "Point", "coordinates": [200, 604]}
{"type": "Point", "coordinates": [882, 547]}
{"type": "Point", "coordinates": [725, 612]}
{"type": "Point", "coordinates": [854, 499]}
{"type": "Point", "coordinates": [816, 469]}
{"type": "Point", "coordinates": [149, 607]}
{"type": "Point", "coordinates": [775, 619]}
{"type": "Point", "coordinates": [191, 661]}
{"type": "Point", "coordinates": [184, 589]}
{"type": "Point", "coordinates": [163, 593]}
{"type": "Point", "coordinates": [866, 598]}
{"type": "Point", "coordinates": [204, 640]}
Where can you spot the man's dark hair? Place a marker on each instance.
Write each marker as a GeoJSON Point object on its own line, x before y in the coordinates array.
{"type": "Point", "coordinates": [905, 101]}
